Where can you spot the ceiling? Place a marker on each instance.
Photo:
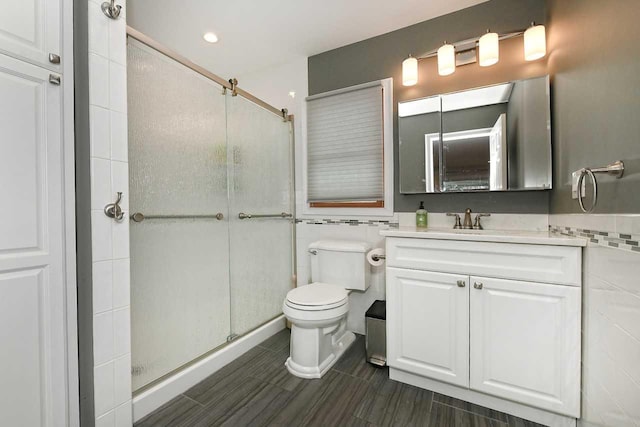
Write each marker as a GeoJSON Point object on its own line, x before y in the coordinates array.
{"type": "Point", "coordinates": [258, 34]}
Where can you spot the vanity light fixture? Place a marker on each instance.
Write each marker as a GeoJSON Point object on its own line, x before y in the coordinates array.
{"type": "Point", "coordinates": [446, 59]}
{"type": "Point", "coordinates": [210, 37]}
{"type": "Point", "coordinates": [535, 42]}
{"type": "Point", "coordinates": [409, 71]}
{"type": "Point", "coordinates": [489, 49]}
{"type": "Point", "coordinates": [485, 50]}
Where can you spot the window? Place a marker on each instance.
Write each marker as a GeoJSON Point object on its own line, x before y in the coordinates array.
{"type": "Point", "coordinates": [349, 151]}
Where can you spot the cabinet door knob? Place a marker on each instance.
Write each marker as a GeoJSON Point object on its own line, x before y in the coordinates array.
{"type": "Point", "coordinates": [461, 283]}
{"type": "Point", "coordinates": [477, 285]}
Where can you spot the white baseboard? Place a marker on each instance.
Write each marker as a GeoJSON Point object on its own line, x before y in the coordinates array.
{"type": "Point", "coordinates": [161, 393]}
{"type": "Point", "coordinates": [522, 411]}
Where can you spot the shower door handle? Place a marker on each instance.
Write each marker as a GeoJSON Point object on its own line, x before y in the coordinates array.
{"type": "Point", "coordinates": [243, 215]}
{"type": "Point", "coordinates": [139, 216]}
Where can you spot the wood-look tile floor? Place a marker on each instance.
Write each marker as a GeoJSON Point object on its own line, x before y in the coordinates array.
{"type": "Point", "coordinates": [257, 390]}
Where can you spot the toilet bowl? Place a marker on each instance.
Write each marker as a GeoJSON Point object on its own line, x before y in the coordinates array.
{"type": "Point", "coordinates": [318, 312]}
{"type": "Point", "coordinates": [318, 316]}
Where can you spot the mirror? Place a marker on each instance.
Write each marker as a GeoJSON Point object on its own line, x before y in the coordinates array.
{"type": "Point", "coordinates": [494, 138]}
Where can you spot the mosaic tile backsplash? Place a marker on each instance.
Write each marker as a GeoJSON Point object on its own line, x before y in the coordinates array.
{"type": "Point", "coordinates": [629, 242]}
{"type": "Point", "coordinates": [347, 221]}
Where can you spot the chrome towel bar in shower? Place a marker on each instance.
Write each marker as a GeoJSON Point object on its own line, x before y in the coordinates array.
{"type": "Point", "coordinates": [243, 215]}
{"type": "Point", "coordinates": [139, 216]}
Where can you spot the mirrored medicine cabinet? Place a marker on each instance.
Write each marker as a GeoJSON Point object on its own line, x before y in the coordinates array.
{"type": "Point", "coordinates": [493, 138]}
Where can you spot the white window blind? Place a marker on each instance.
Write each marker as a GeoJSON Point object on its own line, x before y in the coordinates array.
{"type": "Point", "coordinates": [345, 147]}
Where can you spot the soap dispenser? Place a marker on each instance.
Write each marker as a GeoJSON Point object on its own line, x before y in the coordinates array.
{"type": "Point", "coordinates": [421, 216]}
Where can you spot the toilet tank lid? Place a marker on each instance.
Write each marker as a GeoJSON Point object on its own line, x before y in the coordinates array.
{"type": "Point", "coordinates": [341, 245]}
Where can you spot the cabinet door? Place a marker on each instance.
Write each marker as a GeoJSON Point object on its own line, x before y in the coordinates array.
{"type": "Point", "coordinates": [32, 287]}
{"type": "Point", "coordinates": [30, 30]}
{"type": "Point", "coordinates": [428, 324]}
{"type": "Point", "coordinates": [525, 343]}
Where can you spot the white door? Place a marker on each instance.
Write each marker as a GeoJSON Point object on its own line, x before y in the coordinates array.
{"type": "Point", "coordinates": [428, 324]}
{"type": "Point", "coordinates": [525, 343]}
{"type": "Point", "coordinates": [498, 154]}
{"type": "Point", "coordinates": [33, 360]}
{"type": "Point", "coordinates": [30, 30]}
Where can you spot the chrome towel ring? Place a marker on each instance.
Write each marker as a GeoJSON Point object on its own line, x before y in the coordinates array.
{"type": "Point", "coordinates": [585, 172]}
{"type": "Point", "coordinates": [615, 169]}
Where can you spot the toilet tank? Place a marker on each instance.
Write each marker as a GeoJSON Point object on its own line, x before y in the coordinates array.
{"type": "Point", "coordinates": [341, 262]}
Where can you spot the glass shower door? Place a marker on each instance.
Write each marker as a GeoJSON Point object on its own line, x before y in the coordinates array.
{"type": "Point", "coordinates": [260, 183]}
{"type": "Point", "coordinates": [178, 181]}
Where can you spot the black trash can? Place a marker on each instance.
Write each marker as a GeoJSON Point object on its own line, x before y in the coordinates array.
{"type": "Point", "coordinates": [376, 333]}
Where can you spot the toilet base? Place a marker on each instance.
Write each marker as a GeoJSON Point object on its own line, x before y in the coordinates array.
{"type": "Point", "coordinates": [339, 346]}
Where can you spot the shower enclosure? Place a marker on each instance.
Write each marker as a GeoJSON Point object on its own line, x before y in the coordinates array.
{"type": "Point", "coordinates": [211, 203]}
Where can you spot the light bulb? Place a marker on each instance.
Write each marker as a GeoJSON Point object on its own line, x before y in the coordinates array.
{"type": "Point", "coordinates": [210, 37]}
{"type": "Point", "coordinates": [535, 42]}
{"type": "Point", "coordinates": [409, 71]}
{"type": "Point", "coordinates": [446, 59]}
{"type": "Point", "coordinates": [489, 48]}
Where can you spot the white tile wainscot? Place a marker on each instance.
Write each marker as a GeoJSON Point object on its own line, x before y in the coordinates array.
{"type": "Point", "coordinates": [464, 318]}
{"type": "Point", "coordinates": [611, 311]}
{"type": "Point", "coordinates": [109, 175]}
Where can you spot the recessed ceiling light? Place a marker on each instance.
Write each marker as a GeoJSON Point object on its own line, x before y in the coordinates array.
{"type": "Point", "coordinates": [292, 94]}
{"type": "Point", "coordinates": [210, 37]}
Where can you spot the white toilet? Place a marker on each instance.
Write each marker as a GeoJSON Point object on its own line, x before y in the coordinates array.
{"type": "Point", "coordinates": [318, 312]}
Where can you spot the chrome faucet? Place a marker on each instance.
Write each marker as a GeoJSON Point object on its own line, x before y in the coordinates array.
{"type": "Point", "coordinates": [477, 225]}
{"type": "Point", "coordinates": [467, 224]}
{"type": "Point", "coordinates": [458, 223]}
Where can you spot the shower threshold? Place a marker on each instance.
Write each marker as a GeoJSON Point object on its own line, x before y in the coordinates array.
{"type": "Point", "coordinates": [153, 395]}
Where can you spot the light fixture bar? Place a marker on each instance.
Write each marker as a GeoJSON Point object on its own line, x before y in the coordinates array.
{"type": "Point", "coordinates": [434, 53]}
{"type": "Point", "coordinates": [484, 49]}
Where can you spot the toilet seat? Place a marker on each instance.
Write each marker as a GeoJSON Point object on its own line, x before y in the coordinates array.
{"type": "Point", "coordinates": [316, 297]}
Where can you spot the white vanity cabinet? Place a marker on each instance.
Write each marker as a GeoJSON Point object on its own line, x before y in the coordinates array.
{"type": "Point", "coordinates": [524, 341]}
{"type": "Point", "coordinates": [428, 332]}
{"type": "Point", "coordinates": [497, 324]}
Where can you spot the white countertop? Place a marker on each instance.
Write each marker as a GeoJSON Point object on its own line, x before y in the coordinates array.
{"type": "Point", "coordinates": [499, 236]}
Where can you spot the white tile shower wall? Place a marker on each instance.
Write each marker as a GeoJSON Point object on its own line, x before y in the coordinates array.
{"type": "Point", "coordinates": [359, 302]}
{"type": "Point", "coordinates": [611, 325]}
{"type": "Point", "coordinates": [109, 175]}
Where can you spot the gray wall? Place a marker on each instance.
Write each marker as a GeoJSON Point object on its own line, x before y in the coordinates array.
{"type": "Point", "coordinates": [381, 57]}
{"type": "Point", "coordinates": [595, 66]}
